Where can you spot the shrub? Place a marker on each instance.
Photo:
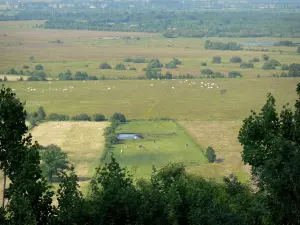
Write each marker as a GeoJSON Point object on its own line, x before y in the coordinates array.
{"type": "Point", "coordinates": [92, 78]}
{"type": "Point", "coordinates": [176, 61]}
{"type": "Point", "coordinates": [80, 75]}
{"type": "Point", "coordinates": [207, 71]}
{"type": "Point", "coordinates": [234, 74]}
{"type": "Point", "coordinates": [37, 76]}
{"type": "Point", "coordinates": [98, 117]}
{"type": "Point", "coordinates": [25, 67]}
{"type": "Point", "coordinates": [58, 117]}
{"type": "Point", "coordinates": [31, 58]}
{"type": "Point", "coordinates": [4, 79]}
{"type": "Point", "coordinates": [39, 67]}
{"type": "Point", "coordinates": [217, 59]}
{"type": "Point", "coordinates": [139, 60]}
{"type": "Point", "coordinates": [127, 60]}
{"type": "Point", "coordinates": [294, 70]}
{"type": "Point", "coordinates": [104, 66]}
{"type": "Point", "coordinates": [171, 65]}
{"type": "Point", "coordinates": [265, 57]}
{"type": "Point", "coordinates": [268, 66]}
{"type": "Point", "coordinates": [41, 114]}
{"type": "Point", "coordinates": [284, 67]}
{"type": "Point", "coordinates": [274, 62]}
{"type": "Point", "coordinates": [211, 155]}
{"type": "Point", "coordinates": [219, 75]}
{"type": "Point", "coordinates": [246, 65]}
{"type": "Point", "coordinates": [254, 60]}
{"type": "Point", "coordinates": [236, 59]}
{"type": "Point", "coordinates": [155, 63]}
{"type": "Point", "coordinates": [132, 68]}
{"type": "Point", "coordinates": [120, 66]}
{"type": "Point", "coordinates": [81, 117]}
{"type": "Point", "coordinates": [118, 117]}
{"type": "Point", "coordinates": [168, 75]}
{"type": "Point", "coordinates": [12, 71]}
{"type": "Point", "coordinates": [203, 64]}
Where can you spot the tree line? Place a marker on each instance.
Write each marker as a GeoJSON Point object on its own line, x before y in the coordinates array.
{"type": "Point", "coordinates": [171, 196]}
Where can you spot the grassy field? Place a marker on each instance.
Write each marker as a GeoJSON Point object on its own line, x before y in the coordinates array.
{"type": "Point", "coordinates": [222, 136]}
{"type": "Point", "coordinates": [149, 99]}
{"type": "Point", "coordinates": [85, 50]}
{"type": "Point", "coordinates": [163, 142]}
{"type": "Point", "coordinates": [83, 141]}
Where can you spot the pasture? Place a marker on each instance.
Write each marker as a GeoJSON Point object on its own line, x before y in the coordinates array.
{"type": "Point", "coordinates": [85, 50]}
{"type": "Point", "coordinates": [163, 142]}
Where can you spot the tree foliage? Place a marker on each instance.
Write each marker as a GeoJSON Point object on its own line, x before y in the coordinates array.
{"type": "Point", "coordinates": [104, 66]}
{"type": "Point", "coordinates": [294, 70]}
{"type": "Point", "coordinates": [39, 67]}
{"type": "Point", "coordinates": [271, 145]}
{"type": "Point", "coordinates": [217, 59]}
{"type": "Point", "coordinates": [118, 116]}
{"type": "Point", "coordinates": [211, 154]}
{"type": "Point", "coordinates": [98, 117]}
{"type": "Point", "coordinates": [236, 59]}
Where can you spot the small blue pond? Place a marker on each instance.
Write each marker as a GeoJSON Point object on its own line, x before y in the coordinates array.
{"type": "Point", "coordinates": [128, 136]}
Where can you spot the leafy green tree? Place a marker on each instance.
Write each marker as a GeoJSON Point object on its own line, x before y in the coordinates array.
{"type": "Point", "coordinates": [39, 67]}
{"type": "Point", "coordinates": [284, 67]}
{"type": "Point", "coordinates": [236, 59]}
{"type": "Point", "coordinates": [234, 74]}
{"type": "Point", "coordinates": [81, 117]}
{"type": "Point", "coordinates": [37, 76]}
{"type": "Point", "coordinates": [265, 57]}
{"type": "Point", "coordinates": [53, 160]}
{"type": "Point", "coordinates": [81, 75]}
{"type": "Point", "coordinates": [31, 58]}
{"type": "Point", "coordinates": [176, 61]}
{"type": "Point", "coordinates": [171, 65]}
{"type": "Point", "coordinates": [155, 63]}
{"type": "Point", "coordinates": [268, 66]}
{"type": "Point", "coordinates": [217, 59]}
{"type": "Point", "coordinates": [246, 65]}
{"type": "Point", "coordinates": [120, 66]}
{"type": "Point", "coordinates": [98, 117]}
{"type": "Point", "coordinates": [41, 114]}
{"type": "Point", "coordinates": [210, 154]}
{"type": "Point", "coordinates": [65, 76]}
{"type": "Point", "coordinates": [207, 71]}
{"type": "Point", "coordinates": [294, 70]}
{"type": "Point", "coordinates": [271, 144]}
{"type": "Point", "coordinates": [104, 66]}
{"type": "Point", "coordinates": [58, 117]}
{"type": "Point", "coordinates": [119, 117]}
{"type": "Point", "coordinates": [29, 198]}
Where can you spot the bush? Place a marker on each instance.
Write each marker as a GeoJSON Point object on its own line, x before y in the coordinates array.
{"type": "Point", "coordinates": [254, 60]}
{"type": "Point", "coordinates": [171, 65]}
{"type": "Point", "coordinates": [284, 67]}
{"type": "Point", "coordinates": [58, 117]}
{"type": "Point", "coordinates": [176, 61]}
{"type": "Point", "coordinates": [127, 60]}
{"type": "Point", "coordinates": [39, 67]}
{"type": "Point", "coordinates": [246, 65]}
{"type": "Point", "coordinates": [81, 75]}
{"type": "Point", "coordinates": [132, 68]}
{"type": "Point", "coordinates": [81, 117]}
{"type": "Point", "coordinates": [37, 76]}
{"type": "Point", "coordinates": [207, 71]}
{"type": "Point", "coordinates": [203, 64]}
{"type": "Point", "coordinates": [168, 75]}
{"type": "Point", "coordinates": [41, 114]}
{"type": "Point", "coordinates": [25, 67]}
{"type": "Point", "coordinates": [234, 74]}
{"type": "Point", "coordinates": [219, 75]}
{"type": "Point", "coordinates": [236, 59]}
{"type": "Point", "coordinates": [98, 117]}
{"type": "Point", "coordinates": [294, 70]}
{"type": "Point", "coordinates": [268, 66]}
{"type": "Point", "coordinates": [217, 59]}
{"type": "Point", "coordinates": [104, 66]}
{"type": "Point", "coordinates": [92, 78]}
{"type": "Point", "coordinates": [274, 62]}
{"type": "Point", "coordinates": [118, 117]}
{"type": "Point", "coordinates": [211, 155]}
{"type": "Point", "coordinates": [12, 71]}
{"type": "Point", "coordinates": [139, 60]}
{"type": "Point", "coordinates": [265, 57]}
{"type": "Point", "coordinates": [120, 66]}
{"type": "Point", "coordinates": [31, 58]}
{"type": "Point", "coordinates": [155, 63]}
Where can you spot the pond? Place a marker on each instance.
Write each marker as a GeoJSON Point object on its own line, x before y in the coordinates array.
{"type": "Point", "coordinates": [254, 43]}
{"type": "Point", "coordinates": [128, 136]}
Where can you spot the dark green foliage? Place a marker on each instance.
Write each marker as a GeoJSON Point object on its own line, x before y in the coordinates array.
{"type": "Point", "coordinates": [284, 43]}
{"type": "Point", "coordinates": [31, 58]}
{"type": "Point", "coordinates": [219, 75]}
{"type": "Point", "coordinates": [37, 76]}
{"type": "Point", "coordinates": [65, 76]}
{"type": "Point", "coordinates": [39, 67]}
{"type": "Point", "coordinates": [58, 117]}
{"type": "Point", "coordinates": [294, 70]}
{"type": "Point", "coordinates": [203, 64]}
{"type": "Point", "coordinates": [153, 73]}
{"type": "Point", "coordinates": [234, 74]}
{"type": "Point", "coordinates": [265, 57]}
{"type": "Point", "coordinates": [98, 117]}
{"type": "Point", "coordinates": [217, 59]}
{"type": "Point", "coordinates": [81, 76]}
{"type": "Point", "coordinates": [211, 155]}
{"type": "Point", "coordinates": [127, 60]}
{"type": "Point", "coordinates": [53, 160]}
{"type": "Point", "coordinates": [104, 66]}
{"type": "Point", "coordinates": [4, 79]}
{"type": "Point", "coordinates": [81, 117]}
{"type": "Point", "coordinates": [119, 117]}
{"type": "Point", "coordinates": [176, 61]}
{"type": "Point", "coordinates": [207, 71]}
{"type": "Point", "coordinates": [274, 62]}
{"type": "Point", "coordinates": [298, 49]}
{"type": "Point", "coordinates": [154, 63]}
{"type": "Point", "coordinates": [132, 68]}
{"type": "Point", "coordinates": [268, 66]}
{"type": "Point", "coordinates": [284, 67]}
{"type": "Point", "coordinates": [254, 60]}
{"type": "Point", "coordinates": [271, 144]}
{"type": "Point", "coordinates": [171, 65]}
{"type": "Point", "coordinates": [120, 66]}
{"type": "Point", "coordinates": [41, 114]}
{"type": "Point", "coordinates": [29, 199]}
{"type": "Point", "coordinates": [246, 65]}
{"type": "Point", "coordinates": [13, 72]}
{"type": "Point", "coordinates": [139, 60]}
{"type": "Point", "coordinates": [92, 78]}
{"type": "Point", "coordinates": [168, 75]}
{"type": "Point", "coordinates": [236, 59]}
{"type": "Point", "coordinates": [222, 46]}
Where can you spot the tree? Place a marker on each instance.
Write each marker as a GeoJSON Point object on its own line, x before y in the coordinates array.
{"type": "Point", "coordinates": [58, 117]}
{"type": "Point", "coordinates": [217, 59]}
{"type": "Point", "coordinates": [81, 117]}
{"type": "Point", "coordinates": [29, 199]}
{"type": "Point", "coordinates": [176, 61]}
{"type": "Point", "coordinates": [246, 65]}
{"type": "Point", "coordinates": [203, 64]}
{"type": "Point", "coordinates": [65, 76]}
{"type": "Point", "coordinates": [5, 79]}
{"type": "Point", "coordinates": [254, 60]}
{"type": "Point", "coordinates": [81, 75]}
{"type": "Point", "coordinates": [284, 67]}
{"type": "Point", "coordinates": [207, 71]}
{"type": "Point", "coordinates": [53, 160]}
{"type": "Point", "coordinates": [31, 58]}
{"type": "Point", "coordinates": [41, 114]}
{"type": "Point", "coordinates": [171, 65]}
{"type": "Point", "coordinates": [298, 49]}
{"type": "Point", "coordinates": [210, 154]}
{"type": "Point", "coordinates": [265, 57]}
{"type": "Point", "coordinates": [271, 144]}
{"type": "Point", "coordinates": [120, 66]}
{"type": "Point", "coordinates": [37, 76]}
{"type": "Point", "coordinates": [155, 63]}
{"type": "Point", "coordinates": [234, 74]}
{"type": "Point", "coordinates": [119, 117]}
{"type": "Point", "coordinates": [104, 66]}
{"type": "Point", "coordinates": [294, 70]}
{"type": "Point", "coordinates": [39, 67]}
{"type": "Point", "coordinates": [268, 66]}
{"type": "Point", "coordinates": [98, 117]}
{"type": "Point", "coordinates": [236, 59]}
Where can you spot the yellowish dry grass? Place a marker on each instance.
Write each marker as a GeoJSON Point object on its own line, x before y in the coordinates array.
{"type": "Point", "coordinates": [222, 136]}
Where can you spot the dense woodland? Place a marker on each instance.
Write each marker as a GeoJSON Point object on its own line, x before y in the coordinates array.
{"type": "Point", "coordinates": [271, 145]}
{"type": "Point", "coordinates": [171, 23]}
